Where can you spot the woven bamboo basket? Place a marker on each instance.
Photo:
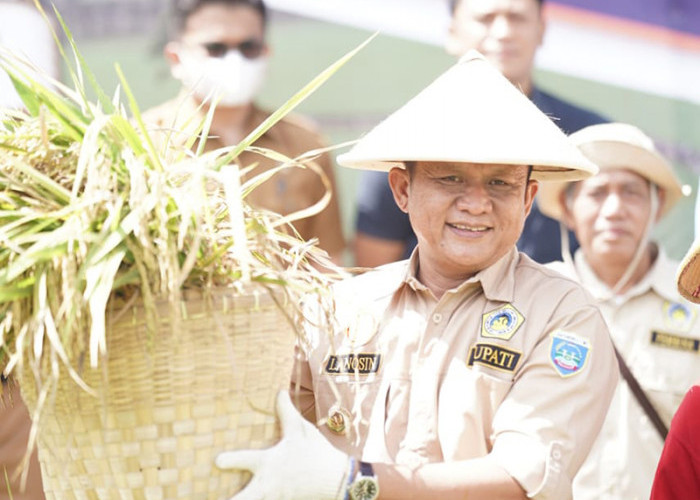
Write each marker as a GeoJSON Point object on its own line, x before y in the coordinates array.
{"type": "Point", "coordinates": [168, 403]}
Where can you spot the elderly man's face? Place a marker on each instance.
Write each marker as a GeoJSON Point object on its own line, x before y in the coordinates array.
{"type": "Point", "coordinates": [609, 213]}
{"type": "Point", "coordinates": [506, 32]}
{"type": "Point", "coordinates": [466, 216]}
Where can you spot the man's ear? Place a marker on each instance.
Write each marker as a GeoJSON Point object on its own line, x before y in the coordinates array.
{"type": "Point", "coordinates": [453, 45]}
{"type": "Point", "coordinates": [543, 26]}
{"type": "Point", "coordinates": [171, 51]}
{"type": "Point", "coordinates": [661, 194]}
{"type": "Point", "coordinates": [400, 184]}
{"type": "Point", "coordinates": [530, 192]}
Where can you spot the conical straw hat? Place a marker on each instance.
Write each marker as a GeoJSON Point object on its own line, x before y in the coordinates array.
{"type": "Point", "coordinates": [617, 145]}
{"type": "Point", "coordinates": [473, 114]}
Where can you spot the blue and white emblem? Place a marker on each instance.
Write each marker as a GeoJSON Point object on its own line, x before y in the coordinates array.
{"type": "Point", "coordinates": [501, 323]}
{"type": "Point", "coordinates": [678, 316]}
{"type": "Point", "coordinates": [568, 353]}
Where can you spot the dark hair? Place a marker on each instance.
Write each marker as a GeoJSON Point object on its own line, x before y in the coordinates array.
{"type": "Point", "coordinates": [410, 167]}
{"type": "Point", "coordinates": [181, 10]}
{"type": "Point", "coordinates": [455, 3]}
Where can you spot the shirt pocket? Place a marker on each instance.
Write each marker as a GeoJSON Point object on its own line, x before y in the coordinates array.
{"type": "Point", "coordinates": [468, 401]}
{"type": "Point", "coordinates": [349, 400]}
{"type": "Point", "coordinates": [665, 368]}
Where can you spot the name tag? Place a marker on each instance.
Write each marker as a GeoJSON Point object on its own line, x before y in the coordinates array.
{"type": "Point", "coordinates": [494, 356]}
{"type": "Point", "coordinates": [360, 363]}
{"type": "Point", "coordinates": [672, 341]}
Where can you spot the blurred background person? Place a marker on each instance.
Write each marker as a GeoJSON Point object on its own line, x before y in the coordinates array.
{"type": "Point", "coordinates": [655, 330]}
{"type": "Point", "coordinates": [508, 33]}
{"type": "Point", "coordinates": [218, 51]}
{"type": "Point", "coordinates": [24, 32]}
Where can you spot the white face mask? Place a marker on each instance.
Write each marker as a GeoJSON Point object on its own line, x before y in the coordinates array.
{"type": "Point", "coordinates": [232, 79]}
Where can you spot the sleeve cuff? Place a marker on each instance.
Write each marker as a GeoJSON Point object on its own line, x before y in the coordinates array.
{"type": "Point", "coordinates": [539, 470]}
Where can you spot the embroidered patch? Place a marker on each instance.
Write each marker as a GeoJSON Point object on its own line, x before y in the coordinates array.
{"type": "Point", "coordinates": [678, 316]}
{"type": "Point", "coordinates": [568, 353]}
{"type": "Point", "coordinates": [494, 356]}
{"type": "Point", "coordinates": [672, 341]}
{"type": "Point", "coordinates": [501, 323]}
{"type": "Point", "coordinates": [360, 363]}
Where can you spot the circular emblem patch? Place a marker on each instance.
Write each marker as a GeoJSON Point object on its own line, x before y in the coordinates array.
{"type": "Point", "coordinates": [501, 323]}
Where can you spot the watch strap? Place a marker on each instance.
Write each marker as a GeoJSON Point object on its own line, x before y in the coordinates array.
{"type": "Point", "coordinates": [364, 485]}
{"type": "Point", "coordinates": [366, 469]}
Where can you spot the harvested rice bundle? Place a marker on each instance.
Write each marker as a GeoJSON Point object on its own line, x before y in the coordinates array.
{"type": "Point", "coordinates": [149, 312]}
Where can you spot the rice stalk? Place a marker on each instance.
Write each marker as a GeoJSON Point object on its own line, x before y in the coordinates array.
{"type": "Point", "coordinates": [91, 210]}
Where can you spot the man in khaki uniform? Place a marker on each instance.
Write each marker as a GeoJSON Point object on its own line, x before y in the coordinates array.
{"type": "Point", "coordinates": [655, 330]}
{"type": "Point", "coordinates": [219, 53]}
{"type": "Point", "coordinates": [468, 370]}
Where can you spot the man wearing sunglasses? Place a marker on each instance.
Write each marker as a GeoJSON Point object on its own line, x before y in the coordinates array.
{"type": "Point", "coordinates": [219, 53]}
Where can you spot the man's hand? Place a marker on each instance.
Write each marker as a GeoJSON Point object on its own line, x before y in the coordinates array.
{"type": "Point", "coordinates": [302, 466]}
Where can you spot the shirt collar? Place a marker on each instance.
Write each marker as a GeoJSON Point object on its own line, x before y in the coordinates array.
{"type": "Point", "coordinates": [658, 276]}
{"type": "Point", "coordinates": [497, 280]}
{"type": "Point", "coordinates": [656, 279]}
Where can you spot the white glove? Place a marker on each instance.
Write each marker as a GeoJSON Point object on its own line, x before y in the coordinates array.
{"type": "Point", "coordinates": [301, 466]}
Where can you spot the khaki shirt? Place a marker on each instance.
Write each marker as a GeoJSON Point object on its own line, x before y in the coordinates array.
{"type": "Point", "coordinates": [515, 363]}
{"type": "Point", "coordinates": [658, 334]}
{"type": "Point", "coordinates": [288, 191]}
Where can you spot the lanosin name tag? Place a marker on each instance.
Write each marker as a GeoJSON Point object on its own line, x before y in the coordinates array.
{"type": "Point", "coordinates": [357, 363]}
{"type": "Point", "coordinates": [495, 356]}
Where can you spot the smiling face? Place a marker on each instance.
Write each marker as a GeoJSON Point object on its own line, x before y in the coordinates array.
{"type": "Point", "coordinates": [466, 216]}
{"type": "Point", "coordinates": [609, 213]}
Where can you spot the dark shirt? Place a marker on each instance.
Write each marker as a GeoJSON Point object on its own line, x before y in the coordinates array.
{"type": "Point", "coordinates": [379, 216]}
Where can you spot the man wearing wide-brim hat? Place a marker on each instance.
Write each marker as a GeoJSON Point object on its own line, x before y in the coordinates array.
{"type": "Point", "coordinates": [468, 370]}
{"type": "Point", "coordinates": [656, 331]}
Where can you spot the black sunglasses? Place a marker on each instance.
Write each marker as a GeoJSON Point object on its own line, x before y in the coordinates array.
{"type": "Point", "coordinates": [251, 49]}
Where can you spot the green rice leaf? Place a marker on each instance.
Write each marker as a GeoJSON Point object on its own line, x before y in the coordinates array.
{"type": "Point", "coordinates": [117, 236]}
{"type": "Point", "coordinates": [13, 293]}
{"type": "Point", "coordinates": [26, 94]}
{"type": "Point", "coordinates": [153, 154]}
{"type": "Point", "coordinates": [42, 181]}
{"type": "Point", "coordinates": [103, 99]}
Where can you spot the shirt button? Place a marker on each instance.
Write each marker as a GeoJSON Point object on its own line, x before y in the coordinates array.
{"type": "Point", "coordinates": [556, 454]}
{"type": "Point", "coordinates": [437, 317]}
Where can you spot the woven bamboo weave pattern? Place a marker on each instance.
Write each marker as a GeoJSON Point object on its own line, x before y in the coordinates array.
{"type": "Point", "coordinates": [169, 403]}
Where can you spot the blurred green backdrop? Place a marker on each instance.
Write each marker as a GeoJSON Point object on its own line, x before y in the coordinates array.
{"type": "Point", "coordinates": [380, 79]}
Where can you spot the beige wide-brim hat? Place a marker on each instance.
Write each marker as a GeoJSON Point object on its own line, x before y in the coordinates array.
{"type": "Point", "coordinates": [688, 275]}
{"type": "Point", "coordinates": [473, 114]}
{"type": "Point", "coordinates": [616, 145]}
